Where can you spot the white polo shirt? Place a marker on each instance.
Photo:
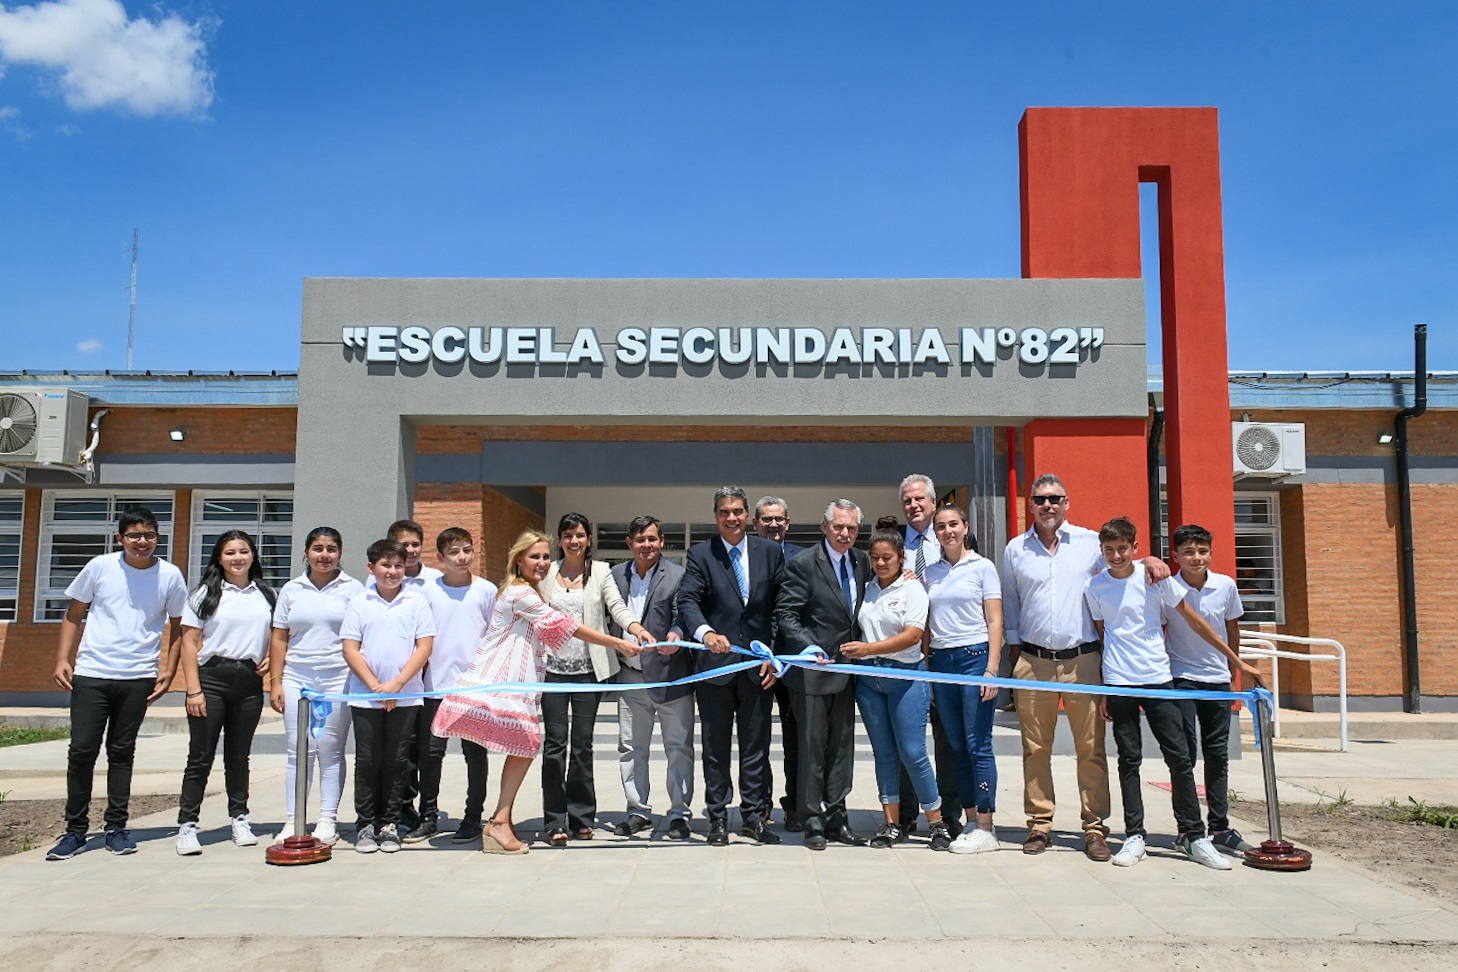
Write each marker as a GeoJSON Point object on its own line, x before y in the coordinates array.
{"type": "Point", "coordinates": [238, 628]}
{"type": "Point", "coordinates": [1191, 656]}
{"type": "Point", "coordinates": [387, 632]}
{"type": "Point", "coordinates": [886, 612]}
{"type": "Point", "coordinates": [956, 592]}
{"type": "Point", "coordinates": [1132, 610]}
{"type": "Point", "coordinates": [129, 608]}
{"type": "Point", "coordinates": [462, 615]}
{"type": "Point", "coordinates": [312, 616]}
{"type": "Point", "coordinates": [1043, 602]}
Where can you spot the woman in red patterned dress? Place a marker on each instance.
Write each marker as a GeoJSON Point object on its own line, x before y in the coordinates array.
{"type": "Point", "coordinates": [523, 629]}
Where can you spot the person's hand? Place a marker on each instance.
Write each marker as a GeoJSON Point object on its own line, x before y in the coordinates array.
{"type": "Point", "coordinates": [1253, 673]}
{"type": "Point", "coordinates": [197, 705]}
{"type": "Point", "coordinates": [628, 647]}
{"type": "Point", "coordinates": [1156, 569]}
{"type": "Point", "coordinates": [63, 675]}
{"type": "Point", "coordinates": [276, 697]}
{"type": "Point", "coordinates": [716, 643]}
{"type": "Point", "coordinates": [989, 692]}
{"type": "Point", "coordinates": [159, 688]}
{"type": "Point", "coordinates": [670, 649]}
{"type": "Point", "coordinates": [262, 668]}
{"type": "Point", "coordinates": [855, 649]}
{"type": "Point", "coordinates": [909, 574]}
{"type": "Point", "coordinates": [1104, 710]}
{"type": "Point", "coordinates": [767, 676]}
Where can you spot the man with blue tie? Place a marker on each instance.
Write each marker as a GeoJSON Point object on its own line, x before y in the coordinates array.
{"type": "Point", "coordinates": [727, 597]}
{"type": "Point", "coordinates": [819, 603]}
{"type": "Point", "coordinates": [772, 522]}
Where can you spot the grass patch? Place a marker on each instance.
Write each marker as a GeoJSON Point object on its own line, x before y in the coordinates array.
{"type": "Point", "coordinates": [1418, 811]}
{"type": "Point", "coordinates": [24, 735]}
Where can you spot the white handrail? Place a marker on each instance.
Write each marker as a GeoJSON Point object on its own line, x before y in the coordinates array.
{"type": "Point", "coordinates": [1259, 644]}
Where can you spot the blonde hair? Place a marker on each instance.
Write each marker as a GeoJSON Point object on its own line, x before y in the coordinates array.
{"type": "Point", "coordinates": [525, 542]}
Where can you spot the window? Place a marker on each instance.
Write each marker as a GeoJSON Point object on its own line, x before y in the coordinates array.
{"type": "Point", "coordinates": [1258, 557]}
{"type": "Point", "coordinates": [77, 525]}
{"type": "Point", "coordinates": [12, 515]}
{"type": "Point", "coordinates": [267, 517]}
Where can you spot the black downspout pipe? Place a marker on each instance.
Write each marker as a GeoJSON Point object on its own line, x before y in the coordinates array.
{"type": "Point", "coordinates": [1414, 701]}
{"type": "Point", "coordinates": [1156, 430]}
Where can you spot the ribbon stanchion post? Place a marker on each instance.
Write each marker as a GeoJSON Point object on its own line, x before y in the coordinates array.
{"type": "Point", "coordinates": [299, 847]}
{"type": "Point", "coordinates": [1275, 853]}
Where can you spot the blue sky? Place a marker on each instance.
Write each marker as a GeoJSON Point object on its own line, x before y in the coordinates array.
{"type": "Point", "coordinates": [258, 143]}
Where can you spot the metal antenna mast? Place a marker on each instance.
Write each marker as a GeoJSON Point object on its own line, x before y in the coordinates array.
{"type": "Point", "coordinates": [132, 311]}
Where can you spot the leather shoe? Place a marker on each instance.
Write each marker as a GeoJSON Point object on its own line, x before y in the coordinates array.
{"type": "Point", "coordinates": [678, 829]}
{"type": "Point", "coordinates": [846, 836]}
{"type": "Point", "coordinates": [635, 823]}
{"type": "Point", "coordinates": [816, 841]}
{"type": "Point", "coordinates": [719, 833]}
{"type": "Point", "coordinates": [760, 831]}
{"type": "Point", "coordinates": [793, 823]}
{"type": "Point", "coordinates": [1036, 842]}
{"type": "Point", "coordinates": [1096, 847]}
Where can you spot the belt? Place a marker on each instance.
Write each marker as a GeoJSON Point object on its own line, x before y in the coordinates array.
{"type": "Point", "coordinates": [1086, 648]}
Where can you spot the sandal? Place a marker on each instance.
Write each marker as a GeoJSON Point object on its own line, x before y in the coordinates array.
{"type": "Point", "coordinates": [584, 833]}
{"type": "Point", "coordinates": [557, 838]}
{"type": "Point", "coordinates": [891, 833]}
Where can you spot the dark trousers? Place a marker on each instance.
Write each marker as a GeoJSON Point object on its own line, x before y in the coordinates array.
{"type": "Point", "coordinates": [1167, 723]}
{"type": "Point", "coordinates": [1207, 729]}
{"type": "Point", "coordinates": [790, 744]}
{"type": "Point", "coordinates": [742, 705]}
{"type": "Point", "coordinates": [381, 742]}
{"type": "Point", "coordinates": [827, 756]}
{"type": "Point", "coordinates": [432, 755]}
{"type": "Point", "coordinates": [569, 794]}
{"type": "Point", "coordinates": [233, 691]}
{"type": "Point", "coordinates": [112, 708]}
{"type": "Point", "coordinates": [946, 766]}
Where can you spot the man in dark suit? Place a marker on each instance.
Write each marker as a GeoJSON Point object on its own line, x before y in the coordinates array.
{"type": "Point", "coordinates": [649, 584]}
{"type": "Point", "coordinates": [819, 601]}
{"type": "Point", "coordinates": [772, 522]}
{"type": "Point", "coordinates": [727, 597]}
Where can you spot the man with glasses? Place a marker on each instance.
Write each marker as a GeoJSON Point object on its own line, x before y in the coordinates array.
{"type": "Point", "coordinates": [1051, 638]}
{"type": "Point", "coordinates": [772, 522]}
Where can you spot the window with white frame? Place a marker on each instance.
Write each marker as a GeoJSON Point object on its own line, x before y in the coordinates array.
{"type": "Point", "coordinates": [12, 519]}
{"type": "Point", "coordinates": [268, 517]}
{"type": "Point", "coordinates": [77, 525]}
{"type": "Point", "coordinates": [1258, 557]}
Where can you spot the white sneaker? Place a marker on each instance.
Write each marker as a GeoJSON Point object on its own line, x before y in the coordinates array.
{"type": "Point", "coordinates": [1202, 850]}
{"type": "Point", "coordinates": [187, 844]}
{"type": "Point", "coordinates": [325, 831]}
{"type": "Point", "coordinates": [974, 840]}
{"type": "Point", "coordinates": [285, 832]}
{"type": "Point", "coordinates": [243, 834]}
{"type": "Point", "coordinates": [1131, 853]}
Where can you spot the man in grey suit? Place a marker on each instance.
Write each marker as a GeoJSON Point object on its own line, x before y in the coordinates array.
{"type": "Point", "coordinates": [819, 600]}
{"type": "Point", "coordinates": [649, 585]}
{"type": "Point", "coordinates": [772, 522]}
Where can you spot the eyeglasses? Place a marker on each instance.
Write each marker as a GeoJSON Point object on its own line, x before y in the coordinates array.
{"type": "Point", "coordinates": [139, 536]}
{"type": "Point", "coordinates": [1047, 500]}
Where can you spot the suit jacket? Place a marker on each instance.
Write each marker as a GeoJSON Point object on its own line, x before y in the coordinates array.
{"type": "Point", "coordinates": [792, 550]}
{"type": "Point", "coordinates": [660, 614]}
{"type": "Point", "coordinates": [709, 594]}
{"type": "Point", "coordinates": [812, 611]}
{"type": "Point", "coordinates": [601, 603]}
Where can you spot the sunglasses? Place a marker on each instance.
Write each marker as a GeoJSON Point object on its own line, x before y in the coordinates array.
{"type": "Point", "coordinates": [1047, 500]}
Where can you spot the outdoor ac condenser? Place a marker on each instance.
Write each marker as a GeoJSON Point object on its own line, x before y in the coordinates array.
{"type": "Point", "coordinates": [1268, 450]}
{"type": "Point", "coordinates": [42, 426]}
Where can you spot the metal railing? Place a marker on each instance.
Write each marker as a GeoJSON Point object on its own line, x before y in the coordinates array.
{"type": "Point", "coordinates": [1262, 644]}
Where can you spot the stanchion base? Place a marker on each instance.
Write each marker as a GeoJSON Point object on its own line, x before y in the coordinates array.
{"type": "Point", "coordinates": [299, 850]}
{"type": "Point", "coordinates": [1278, 855]}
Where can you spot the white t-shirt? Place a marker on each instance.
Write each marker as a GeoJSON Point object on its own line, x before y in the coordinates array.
{"type": "Point", "coordinates": [956, 592]}
{"type": "Point", "coordinates": [312, 616]}
{"type": "Point", "coordinates": [386, 632]}
{"type": "Point", "coordinates": [129, 608]}
{"type": "Point", "coordinates": [1131, 609]}
{"type": "Point", "coordinates": [1191, 656]}
{"type": "Point", "coordinates": [462, 615]}
{"type": "Point", "coordinates": [886, 612]}
{"type": "Point", "coordinates": [239, 626]}
{"type": "Point", "coordinates": [426, 575]}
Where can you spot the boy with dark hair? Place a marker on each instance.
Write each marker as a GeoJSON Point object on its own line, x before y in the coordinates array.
{"type": "Point", "coordinates": [411, 536]}
{"type": "Point", "coordinates": [1195, 665]}
{"type": "Point", "coordinates": [461, 604]}
{"type": "Point", "coordinates": [120, 603]}
{"type": "Point", "coordinates": [1128, 612]}
{"type": "Point", "coordinates": [387, 634]}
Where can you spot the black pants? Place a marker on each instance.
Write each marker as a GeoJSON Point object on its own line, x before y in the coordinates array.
{"type": "Point", "coordinates": [569, 794]}
{"type": "Point", "coordinates": [381, 743]}
{"type": "Point", "coordinates": [432, 755]}
{"type": "Point", "coordinates": [1207, 728]}
{"type": "Point", "coordinates": [827, 756]}
{"type": "Point", "coordinates": [790, 744]}
{"type": "Point", "coordinates": [743, 705]}
{"type": "Point", "coordinates": [233, 691]}
{"type": "Point", "coordinates": [1167, 723]}
{"type": "Point", "coordinates": [946, 779]}
{"type": "Point", "coordinates": [103, 707]}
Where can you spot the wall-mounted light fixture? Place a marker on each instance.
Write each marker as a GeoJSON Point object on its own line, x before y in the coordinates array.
{"type": "Point", "coordinates": [177, 435]}
{"type": "Point", "coordinates": [1384, 438]}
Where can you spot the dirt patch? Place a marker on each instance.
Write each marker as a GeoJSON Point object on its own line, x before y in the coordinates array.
{"type": "Point", "coordinates": [41, 821]}
{"type": "Point", "coordinates": [1418, 855]}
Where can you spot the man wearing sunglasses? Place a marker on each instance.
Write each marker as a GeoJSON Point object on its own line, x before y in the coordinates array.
{"type": "Point", "coordinates": [1051, 638]}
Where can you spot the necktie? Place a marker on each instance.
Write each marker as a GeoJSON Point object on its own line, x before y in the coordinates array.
{"type": "Point", "coordinates": [845, 585]}
{"type": "Point", "coordinates": [737, 559]}
{"type": "Point", "coordinates": [920, 558]}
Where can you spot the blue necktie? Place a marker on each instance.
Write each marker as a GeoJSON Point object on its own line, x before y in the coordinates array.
{"type": "Point", "coordinates": [737, 559]}
{"type": "Point", "coordinates": [845, 585]}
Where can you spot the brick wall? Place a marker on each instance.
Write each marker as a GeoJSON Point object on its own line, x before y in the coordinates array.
{"type": "Point", "coordinates": [209, 431]}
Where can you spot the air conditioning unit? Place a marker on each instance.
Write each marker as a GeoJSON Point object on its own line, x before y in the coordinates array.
{"type": "Point", "coordinates": [1267, 450]}
{"type": "Point", "coordinates": [42, 426]}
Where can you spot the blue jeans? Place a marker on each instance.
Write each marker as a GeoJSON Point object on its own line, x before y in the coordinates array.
{"type": "Point", "coordinates": [968, 721]}
{"type": "Point", "coordinates": [894, 712]}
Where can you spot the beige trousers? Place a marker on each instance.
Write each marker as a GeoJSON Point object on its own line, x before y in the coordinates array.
{"type": "Point", "coordinates": [1038, 713]}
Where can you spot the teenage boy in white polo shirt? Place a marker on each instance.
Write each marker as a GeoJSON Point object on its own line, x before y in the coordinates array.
{"type": "Point", "coordinates": [120, 603]}
{"type": "Point", "coordinates": [387, 634]}
{"type": "Point", "coordinates": [1128, 612]}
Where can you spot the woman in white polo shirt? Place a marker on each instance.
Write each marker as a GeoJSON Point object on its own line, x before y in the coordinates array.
{"type": "Point", "coordinates": [965, 627]}
{"type": "Point", "coordinates": [225, 632]}
{"type": "Point", "coordinates": [307, 650]}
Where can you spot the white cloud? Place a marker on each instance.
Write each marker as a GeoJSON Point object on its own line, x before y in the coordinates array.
{"type": "Point", "coordinates": [89, 346]}
{"type": "Point", "coordinates": [7, 112]}
{"type": "Point", "coordinates": [109, 60]}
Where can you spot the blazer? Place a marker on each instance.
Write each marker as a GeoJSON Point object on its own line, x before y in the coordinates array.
{"type": "Point", "coordinates": [660, 614]}
{"type": "Point", "coordinates": [601, 603]}
{"type": "Point", "coordinates": [792, 550]}
{"type": "Point", "coordinates": [811, 610]}
{"type": "Point", "coordinates": [709, 595]}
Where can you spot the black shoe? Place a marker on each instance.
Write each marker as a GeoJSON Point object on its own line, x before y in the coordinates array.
{"type": "Point", "coordinates": [954, 828]}
{"type": "Point", "coordinates": [760, 831]}
{"type": "Point", "coordinates": [467, 830]}
{"type": "Point", "coordinates": [941, 837]}
{"type": "Point", "coordinates": [424, 830]}
{"type": "Point", "coordinates": [409, 819]}
{"type": "Point", "coordinates": [888, 835]}
{"type": "Point", "coordinates": [793, 823]}
{"type": "Point", "coordinates": [678, 829]}
{"type": "Point", "coordinates": [635, 823]}
{"type": "Point", "coordinates": [719, 833]}
{"type": "Point", "coordinates": [908, 827]}
{"type": "Point", "coordinates": [846, 836]}
{"type": "Point", "coordinates": [816, 841]}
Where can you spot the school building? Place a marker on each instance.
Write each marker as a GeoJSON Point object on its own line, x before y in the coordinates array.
{"type": "Point", "coordinates": [501, 404]}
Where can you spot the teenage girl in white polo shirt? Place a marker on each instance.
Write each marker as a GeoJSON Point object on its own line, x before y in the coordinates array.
{"type": "Point", "coordinates": [307, 650]}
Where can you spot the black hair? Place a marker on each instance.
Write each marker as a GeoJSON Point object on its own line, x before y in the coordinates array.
{"type": "Point", "coordinates": [214, 575]}
{"type": "Point", "coordinates": [1119, 528]}
{"type": "Point", "coordinates": [385, 547]}
{"type": "Point", "coordinates": [328, 532]}
{"type": "Point", "coordinates": [1192, 533]}
{"type": "Point", "coordinates": [405, 526]}
{"type": "Point", "coordinates": [136, 516]}
{"type": "Point", "coordinates": [888, 530]}
{"type": "Point", "coordinates": [640, 523]}
{"type": "Point", "coordinates": [452, 535]}
{"type": "Point", "coordinates": [568, 521]}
